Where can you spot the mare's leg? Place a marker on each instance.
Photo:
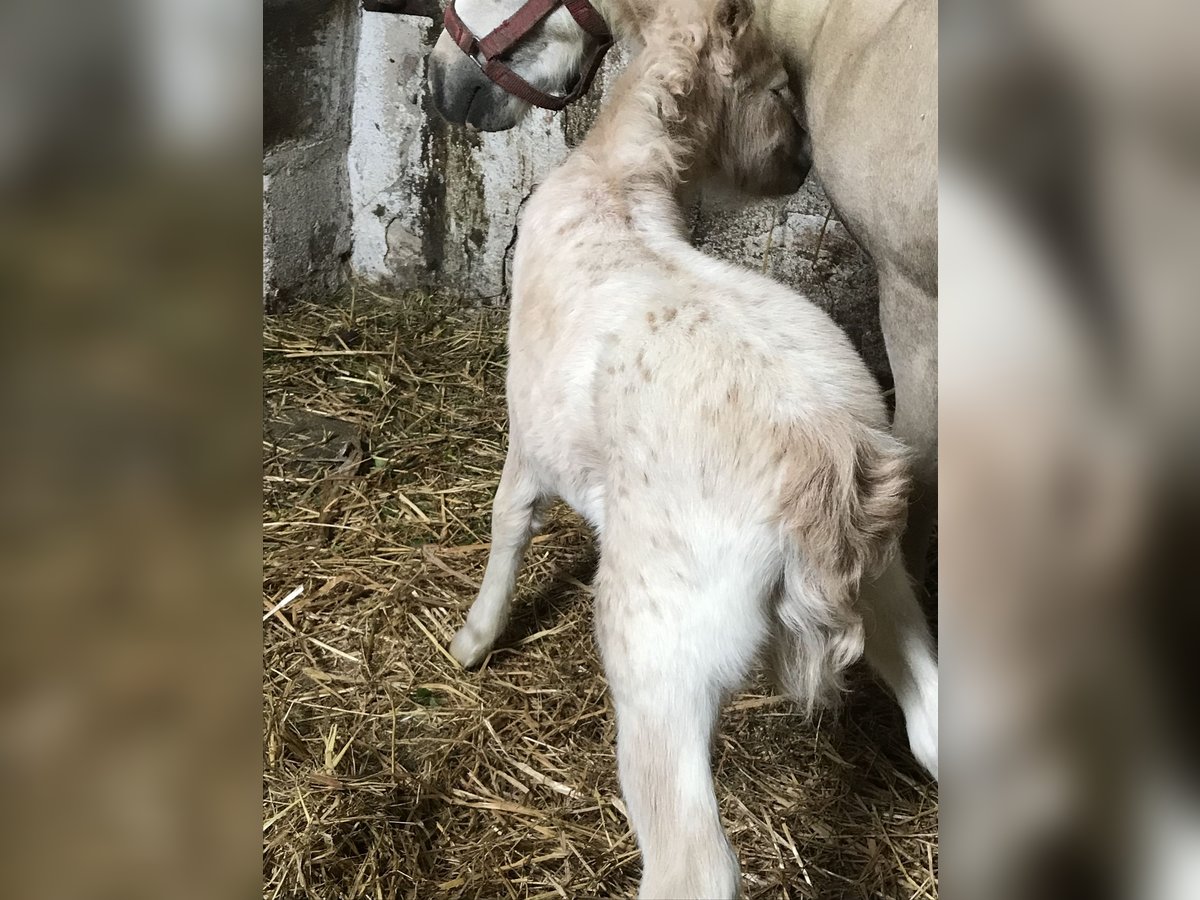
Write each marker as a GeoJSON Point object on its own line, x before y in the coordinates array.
{"type": "Point", "coordinates": [671, 653]}
{"type": "Point", "coordinates": [908, 318]}
{"type": "Point", "coordinates": [900, 648]}
{"type": "Point", "coordinates": [516, 517]}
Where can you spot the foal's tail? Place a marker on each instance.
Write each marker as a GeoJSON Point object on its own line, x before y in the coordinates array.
{"type": "Point", "coordinates": [843, 508]}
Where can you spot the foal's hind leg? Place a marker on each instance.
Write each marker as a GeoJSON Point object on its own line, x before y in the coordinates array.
{"type": "Point", "coordinates": [516, 517]}
{"type": "Point", "coordinates": [900, 648]}
{"type": "Point", "coordinates": [671, 653]}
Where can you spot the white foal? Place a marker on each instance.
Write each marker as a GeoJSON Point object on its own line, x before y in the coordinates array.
{"type": "Point", "coordinates": [718, 431]}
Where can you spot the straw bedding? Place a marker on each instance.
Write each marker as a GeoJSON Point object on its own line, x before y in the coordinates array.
{"type": "Point", "coordinates": [389, 771]}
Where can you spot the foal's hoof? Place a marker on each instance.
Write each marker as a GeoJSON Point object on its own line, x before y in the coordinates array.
{"type": "Point", "coordinates": [923, 738]}
{"type": "Point", "coordinates": [469, 647]}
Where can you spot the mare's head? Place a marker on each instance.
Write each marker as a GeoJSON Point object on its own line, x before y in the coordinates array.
{"type": "Point", "coordinates": [550, 51]}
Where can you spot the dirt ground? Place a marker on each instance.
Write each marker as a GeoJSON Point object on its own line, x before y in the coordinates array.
{"type": "Point", "coordinates": [388, 770]}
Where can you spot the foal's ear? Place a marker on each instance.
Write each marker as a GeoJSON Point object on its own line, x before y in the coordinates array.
{"type": "Point", "coordinates": [733, 17]}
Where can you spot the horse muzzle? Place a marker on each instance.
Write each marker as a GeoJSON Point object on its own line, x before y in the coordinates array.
{"type": "Point", "coordinates": [801, 164]}
{"type": "Point", "coordinates": [463, 95]}
{"type": "Point", "coordinates": [785, 170]}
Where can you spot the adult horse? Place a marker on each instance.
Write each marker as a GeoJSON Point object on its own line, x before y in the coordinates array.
{"type": "Point", "coordinates": [867, 71]}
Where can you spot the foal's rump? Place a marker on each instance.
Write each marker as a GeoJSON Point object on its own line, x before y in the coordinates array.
{"type": "Point", "coordinates": [775, 509]}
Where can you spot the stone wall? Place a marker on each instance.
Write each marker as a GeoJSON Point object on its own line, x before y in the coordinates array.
{"type": "Point", "coordinates": [362, 179]}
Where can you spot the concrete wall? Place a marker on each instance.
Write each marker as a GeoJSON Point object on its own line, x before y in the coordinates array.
{"type": "Point", "coordinates": [310, 51]}
{"type": "Point", "coordinates": [434, 205]}
{"type": "Point", "coordinates": [362, 179]}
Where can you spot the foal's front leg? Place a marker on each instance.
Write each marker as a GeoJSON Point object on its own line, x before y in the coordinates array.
{"type": "Point", "coordinates": [516, 517]}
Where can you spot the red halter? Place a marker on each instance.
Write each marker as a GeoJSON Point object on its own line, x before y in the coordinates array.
{"type": "Point", "coordinates": [486, 52]}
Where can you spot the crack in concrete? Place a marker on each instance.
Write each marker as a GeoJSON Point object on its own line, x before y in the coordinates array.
{"type": "Point", "coordinates": [506, 260]}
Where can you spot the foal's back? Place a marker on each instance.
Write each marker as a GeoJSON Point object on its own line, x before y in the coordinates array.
{"type": "Point", "coordinates": [630, 323]}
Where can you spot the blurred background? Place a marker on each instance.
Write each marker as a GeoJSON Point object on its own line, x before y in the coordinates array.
{"type": "Point", "coordinates": [129, 267]}
{"type": "Point", "coordinates": [1070, 161]}
{"type": "Point", "coordinates": [130, 200]}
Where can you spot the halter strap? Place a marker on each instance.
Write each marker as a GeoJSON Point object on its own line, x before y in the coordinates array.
{"type": "Point", "coordinates": [512, 30]}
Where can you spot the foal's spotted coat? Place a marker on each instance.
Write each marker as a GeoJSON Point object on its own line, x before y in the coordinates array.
{"type": "Point", "coordinates": [718, 431]}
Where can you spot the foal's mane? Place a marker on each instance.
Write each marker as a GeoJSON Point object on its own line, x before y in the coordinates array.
{"type": "Point", "coordinates": [659, 114]}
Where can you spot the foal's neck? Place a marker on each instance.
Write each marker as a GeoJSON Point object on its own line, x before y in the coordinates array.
{"type": "Point", "coordinates": [633, 149]}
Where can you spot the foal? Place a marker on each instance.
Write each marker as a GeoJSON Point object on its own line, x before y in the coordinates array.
{"type": "Point", "coordinates": [716, 429]}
